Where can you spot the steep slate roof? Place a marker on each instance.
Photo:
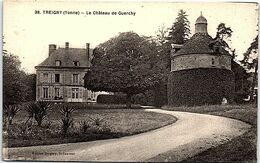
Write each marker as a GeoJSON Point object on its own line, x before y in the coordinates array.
{"type": "Point", "coordinates": [199, 43]}
{"type": "Point", "coordinates": [67, 58]}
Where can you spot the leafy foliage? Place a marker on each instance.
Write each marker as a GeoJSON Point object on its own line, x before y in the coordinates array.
{"type": "Point", "coordinates": [66, 120]}
{"type": "Point", "coordinates": [9, 113]}
{"type": "Point", "coordinates": [250, 61]}
{"type": "Point", "coordinates": [17, 85]}
{"type": "Point", "coordinates": [223, 35]}
{"type": "Point", "coordinates": [84, 126]}
{"type": "Point", "coordinates": [242, 85]}
{"type": "Point", "coordinates": [180, 30]}
{"type": "Point", "coordinates": [127, 63]}
{"type": "Point", "coordinates": [37, 111]}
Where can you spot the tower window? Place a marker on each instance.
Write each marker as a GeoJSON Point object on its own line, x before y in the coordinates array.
{"type": "Point", "coordinates": [58, 63]}
{"type": "Point", "coordinates": [76, 63]}
{"type": "Point", "coordinates": [216, 49]}
{"type": "Point", "coordinates": [212, 61]}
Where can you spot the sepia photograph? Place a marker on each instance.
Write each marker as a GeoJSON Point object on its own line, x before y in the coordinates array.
{"type": "Point", "coordinates": [132, 81]}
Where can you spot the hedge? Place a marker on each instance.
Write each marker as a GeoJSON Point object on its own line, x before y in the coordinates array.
{"type": "Point", "coordinates": [201, 86]}
{"type": "Point", "coordinates": [111, 99]}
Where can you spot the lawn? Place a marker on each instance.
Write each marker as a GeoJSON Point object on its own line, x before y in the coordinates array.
{"type": "Point", "coordinates": [240, 149]}
{"type": "Point", "coordinates": [101, 124]}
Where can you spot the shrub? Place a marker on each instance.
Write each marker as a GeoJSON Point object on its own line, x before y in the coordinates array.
{"type": "Point", "coordinates": [66, 118]}
{"type": "Point", "coordinates": [111, 99]}
{"type": "Point", "coordinates": [9, 113]}
{"type": "Point", "coordinates": [205, 86]}
{"type": "Point", "coordinates": [84, 126]}
{"type": "Point", "coordinates": [97, 121]}
{"type": "Point", "coordinates": [38, 111]}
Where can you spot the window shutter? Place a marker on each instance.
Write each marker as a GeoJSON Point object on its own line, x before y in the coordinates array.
{"type": "Point", "coordinates": [52, 77]}
{"type": "Point", "coordinates": [41, 77]}
{"type": "Point", "coordinates": [69, 92]}
{"type": "Point", "coordinates": [49, 78]}
{"type": "Point", "coordinates": [61, 78]}
{"type": "Point", "coordinates": [81, 81]}
{"type": "Point", "coordinates": [80, 93]}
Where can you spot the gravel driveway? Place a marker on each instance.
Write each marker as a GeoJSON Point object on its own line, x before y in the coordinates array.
{"type": "Point", "coordinates": [192, 133]}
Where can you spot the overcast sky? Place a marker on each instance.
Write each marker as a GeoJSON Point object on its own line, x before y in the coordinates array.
{"type": "Point", "coordinates": [28, 34]}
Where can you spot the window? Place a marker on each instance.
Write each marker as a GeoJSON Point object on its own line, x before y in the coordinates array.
{"type": "Point", "coordinates": [57, 92]}
{"type": "Point", "coordinates": [75, 79]}
{"type": "Point", "coordinates": [75, 93]}
{"type": "Point", "coordinates": [45, 77]}
{"type": "Point", "coordinates": [45, 93]}
{"type": "Point", "coordinates": [76, 63]}
{"type": "Point", "coordinates": [57, 78]}
{"type": "Point", "coordinates": [58, 63]}
{"type": "Point", "coordinates": [212, 61]}
{"type": "Point", "coordinates": [217, 49]}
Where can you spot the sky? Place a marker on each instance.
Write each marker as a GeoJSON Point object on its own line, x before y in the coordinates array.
{"type": "Point", "coordinates": [28, 34]}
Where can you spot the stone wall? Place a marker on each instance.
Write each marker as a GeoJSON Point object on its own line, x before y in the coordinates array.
{"type": "Point", "coordinates": [200, 61]}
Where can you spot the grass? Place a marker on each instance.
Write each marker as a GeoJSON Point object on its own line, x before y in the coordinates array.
{"type": "Point", "coordinates": [240, 149]}
{"type": "Point", "coordinates": [115, 123]}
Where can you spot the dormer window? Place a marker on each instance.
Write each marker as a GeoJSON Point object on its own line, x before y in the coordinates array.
{"type": "Point", "coordinates": [58, 63]}
{"type": "Point", "coordinates": [76, 63]}
{"type": "Point", "coordinates": [217, 49]}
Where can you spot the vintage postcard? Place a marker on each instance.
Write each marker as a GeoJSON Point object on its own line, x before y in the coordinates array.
{"type": "Point", "coordinates": [130, 81]}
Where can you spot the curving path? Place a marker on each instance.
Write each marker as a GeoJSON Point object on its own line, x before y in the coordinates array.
{"type": "Point", "coordinates": [192, 133]}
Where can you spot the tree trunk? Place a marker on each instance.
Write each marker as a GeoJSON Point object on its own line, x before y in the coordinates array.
{"type": "Point", "coordinates": [253, 84]}
{"type": "Point", "coordinates": [128, 100]}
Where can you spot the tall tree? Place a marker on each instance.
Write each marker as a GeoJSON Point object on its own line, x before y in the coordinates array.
{"type": "Point", "coordinates": [13, 86]}
{"type": "Point", "coordinates": [126, 63]}
{"type": "Point", "coordinates": [17, 85]}
{"type": "Point", "coordinates": [180, 30]}
{"type": "Point", "coordinates": [223, 35]}
{"type": "Point", "coordinates": [250, 61]}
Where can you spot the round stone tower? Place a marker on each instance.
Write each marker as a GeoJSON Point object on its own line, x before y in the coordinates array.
{"type": "Point", "coordinates": [200, 70]}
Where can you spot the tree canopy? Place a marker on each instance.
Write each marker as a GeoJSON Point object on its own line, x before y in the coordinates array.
{"type": "Point", "coordinates": [180, 30]}
{"type": "Point", "coordinates": [223, 34]}
{"type": "Point", "coordinates": [127, 63]}
{"type": "Point", "coordinates": [17, 85]}
{"type": "Point", "coordinates": [250, 61]}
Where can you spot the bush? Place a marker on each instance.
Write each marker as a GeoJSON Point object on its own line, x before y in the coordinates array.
{"type": "Point", "coordinates": [84, 126]}
{"type": "Point", "coordinates": [111, 99]}
{"type": "Point", "coordinates": [9, 113]}
{"type": "Point", "coordinates": [202, 86]}
{"type": "Point", "coordinates": [38, 111]}
{"type": "Point", "coordinates": [66, 120]}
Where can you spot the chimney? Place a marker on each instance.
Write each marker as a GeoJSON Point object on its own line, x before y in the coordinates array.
{"type": "Point", "coordinates": [52, 48]}
{"type": "Point", "coordinates": [66, 45]}
{"type": "Point", "coordinates": [87, 51]}
{"type": "Point", "coordinates": [66, 48]}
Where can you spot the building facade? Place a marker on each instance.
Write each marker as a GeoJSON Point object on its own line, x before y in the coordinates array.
{"type": "Point", "coordinates": [60, 75]}
{"type": "Point", "coordinates": [200, 70]}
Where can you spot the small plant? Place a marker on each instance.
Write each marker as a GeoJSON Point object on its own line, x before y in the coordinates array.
{"type": "Point", "coordinates": [9, 113]}
{"type": "Point", "coordinates": [98, 121]}
{"type": "Point", "coordinates": [84, 126]}
{"type": "Point", "coordinates": [66, 118]}
{"type": "Point", "coordinates": [38, 111]}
